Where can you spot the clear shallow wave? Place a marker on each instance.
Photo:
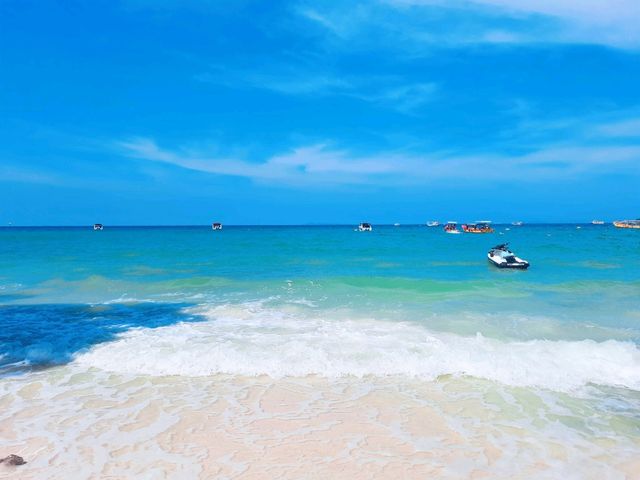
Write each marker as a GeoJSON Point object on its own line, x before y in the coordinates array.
{"type": "Point", "coordinates": [252, 340]}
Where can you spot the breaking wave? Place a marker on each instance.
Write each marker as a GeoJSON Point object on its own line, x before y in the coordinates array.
{"type": "Point", "coordinates": [251, 340]}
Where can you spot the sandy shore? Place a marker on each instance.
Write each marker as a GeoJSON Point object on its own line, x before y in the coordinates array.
{"type": "Point", "coordinates": [74, 424]}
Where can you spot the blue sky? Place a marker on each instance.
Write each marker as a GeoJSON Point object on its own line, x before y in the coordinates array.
{"type": "Point", "coordinates": [186, 112]}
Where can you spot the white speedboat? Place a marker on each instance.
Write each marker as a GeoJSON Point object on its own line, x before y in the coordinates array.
{"type": "Point", "coordinates": [365, 227]}
{"type": "Point", "coordinates": [216, 226]}
{"type": "Point", "coordinates": [433, 223]}
{"type": "Point", "coordinates": [597, 222]}
{"type": "Point", "coordinates": [98, 226]}
{"type": "Point", "coordinates": [517, 224]}
{"type": "Point", "coordinates": [502, 257]}
{"type": "Point", "coordinates": [451, 227]}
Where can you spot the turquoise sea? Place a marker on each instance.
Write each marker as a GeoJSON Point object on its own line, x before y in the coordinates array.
{"type": "Point", "coordinates": [551, 352]}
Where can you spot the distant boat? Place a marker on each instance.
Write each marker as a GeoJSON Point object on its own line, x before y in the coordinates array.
{"type": "Point", "coordinates": [451, 227]}
{"type": "Point", "coordinates": [482, 226]}
{"type": "Point", "coordinates": [433, 223]}
{"type": "Point", "coordinates": [517, 224]}
{"type": "Point", "coordinates": [597, 222]}
{"type": "Point", "coordinates": [98, 226]}
{"type": "Point", "coordinates": [365, 227]}
{"type": "Point", "coordinates": [396, 224]}
{"type": "Point", "coordinates": [635, 224]}
{"type": "Point", "coordinates": [216, 226]}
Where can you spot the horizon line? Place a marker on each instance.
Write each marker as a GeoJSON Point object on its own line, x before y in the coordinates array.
{"type": "Point", "coordinates": [208, 225]}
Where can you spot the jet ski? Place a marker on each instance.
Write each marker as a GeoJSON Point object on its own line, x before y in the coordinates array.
{"type": "Point", "coordinates": [502, 257]}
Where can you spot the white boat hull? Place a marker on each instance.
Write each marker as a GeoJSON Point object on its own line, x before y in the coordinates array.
{"type": "Point", "coordinates": [516, 263]}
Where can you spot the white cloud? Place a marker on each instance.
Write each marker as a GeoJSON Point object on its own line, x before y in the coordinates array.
{"type": "Point", "coordinates": [284, 80]}
{"type": "Point", "coordinates": [12, 173]}
{"type": "Point", "coordinates": [310, 164]}
{"type": "Point", "coordinates": [392, 92]}
{"type": "Point", "coordinates": [406, 98]}
{"type": "Point", "coordinates": [583, 159]}
{"type": "Point", "coordinates": [629, 128]}
{"type": "Point", "coordinates": [321, 165]}
{"type": "Point", "coordinates": [612, 23]}
{"type": "Point", "coordinates": [595, 12]}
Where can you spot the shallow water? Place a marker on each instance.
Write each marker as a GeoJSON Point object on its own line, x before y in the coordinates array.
{"type": "Point", "coordinates": [395, 352]}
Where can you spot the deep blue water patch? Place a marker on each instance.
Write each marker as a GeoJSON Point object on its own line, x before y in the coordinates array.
{"type": "Point", "coordinates": [33, 337]}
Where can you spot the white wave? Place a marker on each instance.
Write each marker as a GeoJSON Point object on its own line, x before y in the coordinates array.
{"type": "Point", "coordinates": [125, 299]}
{"type": "Point", "coordinates": [251, 340]}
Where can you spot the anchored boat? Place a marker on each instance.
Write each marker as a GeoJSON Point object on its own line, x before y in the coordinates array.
{"type": "Point", "coordinates": [451, 227]}
{"type": "Point", "coordinates": [502, 257]}
{"type": "Point", "coordinates": [482, 226]}
{"type": "Point", "coordinates": [216, 226]}
{"type": "Point", "coordinates": [98, 226]}
{"type": "Point", "coordinates": [365, 227]}
{"type": "Point", "coordinates": [433, 223]}
{"type": "Point", "coordinates": [627, 224]}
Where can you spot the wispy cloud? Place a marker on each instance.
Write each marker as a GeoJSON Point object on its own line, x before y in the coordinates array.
{"type": "Point", "coordinates": [613, 23]}
{"type": "Point", "coordinates": [309, 164]}
{"type": "Point", "coordinates": [286, 80]}
{"type": "Point", "coordinates": [628, 128]}
{"type": "Point", "coordinates": [320, 164]}
{"type": "Point", "coordinates": [16, 174]}
{"type": "Point", "coordinates": [388, 91]}
{"type": "Point", "coordinates": [406, 97]}
{"type": "Point", "coordinates": [439, 22]}
{"type": "Point", "coordinates": [621, 129]}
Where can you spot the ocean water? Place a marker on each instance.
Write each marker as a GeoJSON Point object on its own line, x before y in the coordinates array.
{"type": "Point", "coordinates": [183, 352]}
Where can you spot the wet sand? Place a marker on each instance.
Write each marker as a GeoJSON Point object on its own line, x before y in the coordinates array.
{"type": "Point", "coordinates": [69, 423]}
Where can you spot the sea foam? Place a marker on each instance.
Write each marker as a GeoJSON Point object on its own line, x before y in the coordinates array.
{"type": "Point", "coordinates": [252, 340]}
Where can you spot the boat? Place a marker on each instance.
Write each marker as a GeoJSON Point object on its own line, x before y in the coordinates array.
{"type": "Point", "coordinates": [216, 226]}
{"type": "Point", "coordinates": [502, 257]}
{"type": "Point", "coordinates": [627, 224]}
{"type": "Point", "coordinates": [98, 226]}
{"type": "Point", "coordinates": [365, 227]}
{"type": "Point", "coordinates": [482, 226]}
{"type": "Point", "coordinates": [396, 224]}
{"type": "Point", "coordinates": [517, 223]}
{"type": "Point", "coordinates": [451, 227]}
{"type": "Point", "coordinates": [433, 223]}
{"type": "Point", "coordinates": [597, 222]}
